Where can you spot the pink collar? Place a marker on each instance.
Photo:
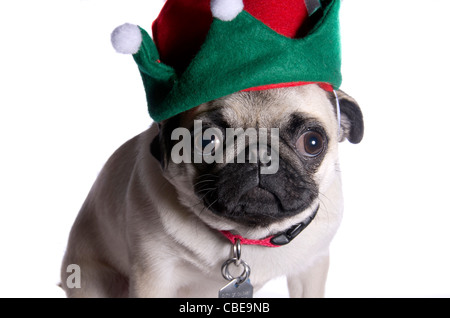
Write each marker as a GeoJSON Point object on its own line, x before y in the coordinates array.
{"type": "Point", "coordinates": [234, 237]}
{"type": "Point", "coordinates": [277, 240]}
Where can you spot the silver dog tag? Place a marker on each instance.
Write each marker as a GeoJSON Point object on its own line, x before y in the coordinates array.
{"type": "Point", "coordinates": [235, 290]}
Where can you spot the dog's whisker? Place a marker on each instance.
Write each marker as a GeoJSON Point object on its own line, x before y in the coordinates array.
{"type": "Point", "coordinates": [207, 193]}
{"type": "Point", "coordinates": [206, 187]}
{"type": "Point", "coordinates": [211, 204]}
{"type": "Point", "coordinates": [203, 181]}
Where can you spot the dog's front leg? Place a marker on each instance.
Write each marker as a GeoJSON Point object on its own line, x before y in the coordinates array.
{"type": "Point", "coordinates": [310, 283]}
{"type": "Point", "coordinates": [152, 281]}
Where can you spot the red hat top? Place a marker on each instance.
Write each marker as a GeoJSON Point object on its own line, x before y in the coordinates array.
{"type": "Point", "coordinates": [182, 26]}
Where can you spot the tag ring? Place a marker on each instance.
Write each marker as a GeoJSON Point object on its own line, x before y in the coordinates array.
{"type": "Point", "coordinates": [242, 277]}
{"type": "Point", "coordinates": [237, 252]}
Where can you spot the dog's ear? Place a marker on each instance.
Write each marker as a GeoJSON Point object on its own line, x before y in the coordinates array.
{"type": "Point", "coordinates": [162, 144]}
{"type": "Point", "coordinates": [156, 148]}
{"type": "Point", "coordinates": [352, 122]}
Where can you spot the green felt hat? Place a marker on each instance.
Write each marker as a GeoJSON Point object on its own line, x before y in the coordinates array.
{"type": "Point", "coordinates": [224, 47]}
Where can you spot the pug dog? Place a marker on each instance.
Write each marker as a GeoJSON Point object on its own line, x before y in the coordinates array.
{"type": "Point", "coordinates": [154, 226]}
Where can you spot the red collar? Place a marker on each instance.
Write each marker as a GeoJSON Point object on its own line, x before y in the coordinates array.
{"type": "Point", "coordinates": [277, 240]}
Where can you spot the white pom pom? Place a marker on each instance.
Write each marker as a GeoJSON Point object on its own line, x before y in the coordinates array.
{"type": "Point", "coordinates": [126, 38]}
{"type": "Point", "coordinates": [226, 10]}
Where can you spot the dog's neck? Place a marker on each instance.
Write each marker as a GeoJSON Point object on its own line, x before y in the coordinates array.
{"type": "Point", "coordinates": [276, 240]}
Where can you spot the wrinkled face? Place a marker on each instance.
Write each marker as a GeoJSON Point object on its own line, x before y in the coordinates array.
{"type": "Point", "coordinates": [256, 158]}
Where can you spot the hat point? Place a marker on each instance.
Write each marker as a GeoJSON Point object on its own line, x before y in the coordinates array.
{"type": "Point", "coordinates": [226, 10]}
{"type": "Point", "coordinates": [127, 38]}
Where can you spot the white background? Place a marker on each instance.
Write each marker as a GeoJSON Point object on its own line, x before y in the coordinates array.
{"type": "Point", "coordinates": [67, 101]}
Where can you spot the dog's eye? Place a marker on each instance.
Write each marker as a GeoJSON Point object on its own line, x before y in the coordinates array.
{"type": "Point", "coordinates": [310, 144]}
{"type": "Point", "coordinates": [208, 142]}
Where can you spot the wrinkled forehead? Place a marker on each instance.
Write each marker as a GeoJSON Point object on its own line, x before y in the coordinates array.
{"type": "Point", "coordinates": [266, 109]}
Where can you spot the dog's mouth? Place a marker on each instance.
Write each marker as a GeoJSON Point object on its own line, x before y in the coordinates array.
{"type": "Point", "coordinates": [256, 207]}
{"type": "Point", "coordinates": [254, 201]}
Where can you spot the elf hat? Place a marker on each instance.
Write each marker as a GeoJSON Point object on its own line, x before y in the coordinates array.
{"type": "Point", "coordinates": [206, 49]}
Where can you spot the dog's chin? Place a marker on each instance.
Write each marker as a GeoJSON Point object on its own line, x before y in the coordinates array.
{"type": "Point", "coordinates": [257, 207]}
